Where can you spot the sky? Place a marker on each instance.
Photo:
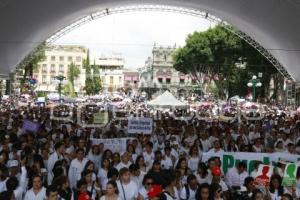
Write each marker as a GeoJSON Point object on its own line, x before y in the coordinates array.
{"type": "Point", "coordinates": [133, 34]}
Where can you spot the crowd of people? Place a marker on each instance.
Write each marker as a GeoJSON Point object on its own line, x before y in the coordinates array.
{"type": "Point", "coordinates": [59, 161]}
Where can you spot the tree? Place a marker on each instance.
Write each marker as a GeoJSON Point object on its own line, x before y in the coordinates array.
{"type": "Point", "coordinates": [30, 63]}
{"type": "Point", "coordinates": [89, 85]}
{"type": "Point", "coordinates": [212, 56]}
{"type": "Point", "coordinates": [96, 79]}
{"type": "Point", "coordinates": [72, 75]}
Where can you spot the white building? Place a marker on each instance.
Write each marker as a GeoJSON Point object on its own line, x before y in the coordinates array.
{"type": "Point", "coordinates": [58, 58]}
{"type": "Point", "coordinates": [159, 75]}
{"type": "Point", "coordinates": [111, 71]}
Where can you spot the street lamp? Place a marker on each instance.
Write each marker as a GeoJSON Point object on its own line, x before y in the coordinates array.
{"type": "Point", "coordinates": [60, 80]}
{"type": "Point", "coordinates": [254, 83]}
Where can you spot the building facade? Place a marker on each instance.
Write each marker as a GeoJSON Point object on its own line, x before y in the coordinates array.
{"type": "Point", "coordinates": [111, 71]}
{"type": "Point", "coordinates": [131, 80]}
{"type": "Point", "coordinates": [159, 75]}
{"type": "Point", "coordinates": [58, 58]}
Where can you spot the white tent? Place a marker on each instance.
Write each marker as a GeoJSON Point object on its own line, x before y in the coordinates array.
{"type": "Point", "coordinates": [167, 100]}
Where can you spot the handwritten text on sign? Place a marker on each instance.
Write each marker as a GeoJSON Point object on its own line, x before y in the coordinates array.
{"type": "Point", "coordinates": [140, 125]}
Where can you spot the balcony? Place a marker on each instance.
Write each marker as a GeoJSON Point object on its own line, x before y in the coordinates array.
{"type": "Point", "coordinates": [52, 71]}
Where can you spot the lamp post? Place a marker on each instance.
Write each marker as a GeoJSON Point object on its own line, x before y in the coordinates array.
{"type": "Point", "coordinates": [59, 78]}
{"type": "Point", "coordinates": [254, 83]}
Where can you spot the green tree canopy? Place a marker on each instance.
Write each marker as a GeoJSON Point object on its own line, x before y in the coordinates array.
{"type": "Point", "coordinates": [72, 75]}
{"type": "Point", "coordinates": [213, 55]}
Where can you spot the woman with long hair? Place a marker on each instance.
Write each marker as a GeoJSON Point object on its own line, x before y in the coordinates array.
{"type": "Point", "coordinates": [276, 189]}
{"type": "Point", "coordinates": [92, 186]}
{"type": "Point", "coordinates": [64, 190]}
{"type": "Point", "coordinates": [170, 189]}
{"type": "Point", "coordinates": [194, 158]}
{"type": "Point", "coordinates": [140, 163]}
{"type": "Point", "coordinates": [111, 191]}
{"type": "Point", "coordinates": [103, 171]}
{"type": "Point", "coordinates": [215, 192]}
{"type": "Point", "coordinates": [202, 173]}
{"type": "Point", "coordinates": [203, 192]}
{"type": "Point", "coordinates": [182, 166]}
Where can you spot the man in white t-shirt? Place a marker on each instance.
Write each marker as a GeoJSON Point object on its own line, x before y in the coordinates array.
{"type": "Point", "coordinates": [37, 192]}
{"type": "Point", "coordinates": [188, 192]}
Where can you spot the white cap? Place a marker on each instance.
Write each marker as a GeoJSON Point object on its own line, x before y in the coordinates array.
{"type": "Point", "coordinates": [12, 163]}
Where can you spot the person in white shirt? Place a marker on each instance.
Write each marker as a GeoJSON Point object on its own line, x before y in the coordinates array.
{"type": "Point", "coordinates": [143, 191]}
{"type": "Point", "coordinates": [149, 154]}
{"type": "Point", "coordinates": [128, 190]}
{"type": "Point", "coordinates": [37, 192]}
{"type": "Point", "coordinates": [125, 161]}
{"type": "Point", "coordinates": [52, 193]}
{"type": "Point", "coordinates": [188, 192]}
{"type": "Point", "coordinates": [55, 156]}
{"type": "Point", "coordinates": [18, 187]}
{"type": "Point", "coordinates": [3, 177]}
{"type": "Point", "coordinates": [217, 148]}
{"type": "Point", "coordinates": [235, 176]}
{"type": "Point", "coordinates": [76, 167]}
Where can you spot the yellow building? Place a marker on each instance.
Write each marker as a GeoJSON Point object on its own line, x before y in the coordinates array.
{"type": "Point", "coordinates": [58, 58]}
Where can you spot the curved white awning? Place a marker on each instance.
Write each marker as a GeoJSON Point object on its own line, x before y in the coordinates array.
{"type": "Point", "coordinates": [272, 23]}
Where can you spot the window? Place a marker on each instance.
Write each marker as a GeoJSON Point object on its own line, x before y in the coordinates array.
{"type": "Point", "coordinates": [44, 79]}
{"type": "Point", "coordinates": [52, 68]}
{"type": "Point", "coordinates": [61, 58]}
{"type": "Point", "coordinates": [52, 78]}
{"type": "Point", "coordinates": [52, 58]}
{"type": "Point", "coordinates": [168, 80]}
{"type": "Point", "coordinates": [160, 80]}
{"type": "Point", "coordinates": [181, 80]}
{"type": "Point", "coordinates": [70, 58]}
{"type": "Point", "coordinates": [61, 68]}
{"type": "Point", "coordinates": [111, 81]}
{"type": "Point", "coordinates": [120, 79]}
{"type": "Point", "coordinates": [103, 79]}
{"type": "Point", "coordinates": [78, 59]}
{"type": "Point", "coordinates": [44, 69]}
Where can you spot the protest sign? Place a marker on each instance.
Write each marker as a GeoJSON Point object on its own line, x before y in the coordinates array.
{"type": "Point", "coordinates": [114, 144]}
{"type": "Point", "coordinates": [263, 176]}
{"type": "Point", "coordinates": [140, 125]}
{"type": "Point", "coordinates": [31, 126]}
{"type": "Point", "coordinates": [101, 118]}
{"type": "Point", "coordinates": [230, 159]}
{"type": "Point", "coordinates": [289, 177]}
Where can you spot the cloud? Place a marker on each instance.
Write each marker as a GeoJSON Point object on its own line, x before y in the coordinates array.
{"type": "Point", "coordinates": [134, 34]}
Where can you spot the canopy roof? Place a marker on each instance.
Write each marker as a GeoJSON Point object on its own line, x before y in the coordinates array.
{"type": "Point", "coordinates": [272, 23]}
{"type": "Point", "coordinates": [167, 100]}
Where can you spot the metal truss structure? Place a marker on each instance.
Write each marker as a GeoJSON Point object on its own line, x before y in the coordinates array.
{"type": "Point", "coordinates": [164, 8]}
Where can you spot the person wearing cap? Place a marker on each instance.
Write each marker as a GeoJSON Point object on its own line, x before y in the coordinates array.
{"type": "Point", "coordinates": [13, 166]}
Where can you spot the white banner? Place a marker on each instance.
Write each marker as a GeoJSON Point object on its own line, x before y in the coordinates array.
{"type": "Point", "coordinates": [138, 125]}
{"type": "Point", "coordinates": [114, 144]}
{"type": "Point", "coordinates": [230, 159]}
